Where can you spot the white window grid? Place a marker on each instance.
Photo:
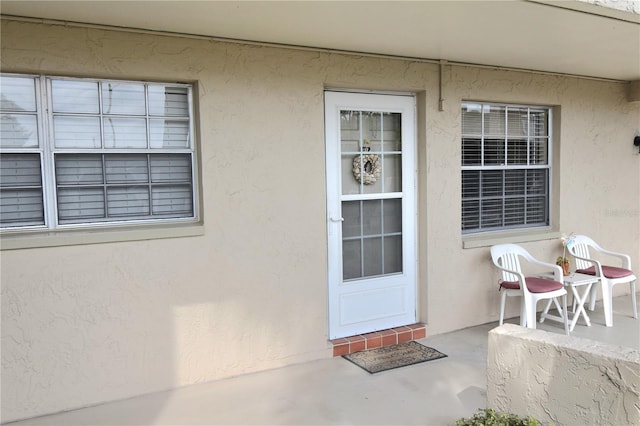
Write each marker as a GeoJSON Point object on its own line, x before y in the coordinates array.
{"type": "Point", "coordinates": [505, 167]}
{"type": "Point", "coordinates": [47, 151]}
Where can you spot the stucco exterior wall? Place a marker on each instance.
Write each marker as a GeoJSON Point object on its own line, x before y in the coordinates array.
{"type": "Point", "coordinates": [562, 380]}
{"type": "Point", "coordinates": [83, 324]}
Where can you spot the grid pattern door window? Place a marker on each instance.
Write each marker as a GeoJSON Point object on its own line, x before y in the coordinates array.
{"type": "Point", "coordinates": [372, 209]}
{"type": "Point", "coordinates": [111, 152]}
{"type": "Point", "coordinates": [506, 167]}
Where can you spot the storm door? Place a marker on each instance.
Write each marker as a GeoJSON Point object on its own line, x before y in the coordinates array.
{"type": "Point", "coordinates": [371, 192]}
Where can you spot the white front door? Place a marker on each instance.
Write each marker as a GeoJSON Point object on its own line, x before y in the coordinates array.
{"type": "Point", "coordinates": [371, 193]}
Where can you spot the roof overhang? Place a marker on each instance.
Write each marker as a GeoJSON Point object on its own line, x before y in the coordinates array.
{"type": "Point", "coordinates": [564, 37]}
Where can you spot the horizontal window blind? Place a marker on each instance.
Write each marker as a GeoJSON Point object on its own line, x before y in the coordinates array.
{"type": "Point", "coordinates": [21, 201]}
{"type": "Point", "coordinates": [505, 167]}
{"type": "Point", "coordinates": [115, 151]}
{"type": "Point", "coordinates": [123, 187]}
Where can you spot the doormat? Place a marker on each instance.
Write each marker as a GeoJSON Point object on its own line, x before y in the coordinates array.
{"type": "Point", "coordinates": [393, 356]}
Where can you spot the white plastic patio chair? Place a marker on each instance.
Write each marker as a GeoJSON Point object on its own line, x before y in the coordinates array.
{"type": "Point", "coordinates": [609, 275]}
{"type": "Point", "coordinates": [506, 257]}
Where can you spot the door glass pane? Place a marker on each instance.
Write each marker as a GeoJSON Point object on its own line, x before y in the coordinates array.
{"type": "Point", "coordinates": [372, 238]}
{"type": "Point", "coordinates": [392, 173]}
{"type": "Point", "coordinates": [372, 217]}
{"type": "Point", "coordinates": [370, 152]}
{"type": "Point", "coordinates": [392, 254]}
{"type": "Point", "coordinates": [351, 255]}
{"type": "Point", "coordinates": [392, 216]}
{"type": "Point", "coordinates": [368, 171]}
{"type": "Point", "coordinates": [352, 219]}
{"type": "Point", "coordinates": [372, 129]}
{"type": "Point", "coordinates": [350, 137]}
{"type": "Point", "coordinates": [372, 256]}
{"type": "Point", "coordinates": [392, 135]}
{"type": "Point", "coordinates": [371, 163]}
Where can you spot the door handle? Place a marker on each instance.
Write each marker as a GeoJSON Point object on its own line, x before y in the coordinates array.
{"type": "Point", "coordinates": [336, 219]}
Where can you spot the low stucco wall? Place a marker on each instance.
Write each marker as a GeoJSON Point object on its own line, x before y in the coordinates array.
{"type": "Point", "coordinates": [560, 379]}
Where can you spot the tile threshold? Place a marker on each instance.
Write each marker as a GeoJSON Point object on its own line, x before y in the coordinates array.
{"type": "Point", "coordinates": [377, 339]}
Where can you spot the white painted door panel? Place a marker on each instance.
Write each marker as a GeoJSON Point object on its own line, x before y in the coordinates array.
{"type": "Point", "coordinates": [370, 157]}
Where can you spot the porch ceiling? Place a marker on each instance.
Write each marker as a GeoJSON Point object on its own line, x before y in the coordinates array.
{"type": "Point", "coordinates": [568, 37]}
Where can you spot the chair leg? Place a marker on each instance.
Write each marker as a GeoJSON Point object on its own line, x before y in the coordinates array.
{"type": "Point", "coordinates": [523, 313]}
{"type": "Point", "coordinates": [607, 303]}
{"type": "Point", "coordinates": [546, 310]}
{"type": "Point", "coordinates": [503, 297]}
{"type": "Point", "coordinates": [530, 313]}
{"type": "Point", "coordinates": [634, 304]}
{"type": "Point", "coordinates": [565, 314]}
{"type": "Point", "coordinates": [593, 294]}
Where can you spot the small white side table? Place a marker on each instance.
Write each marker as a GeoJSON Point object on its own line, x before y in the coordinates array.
{"type": "Point", "coordinates": [573, 281]}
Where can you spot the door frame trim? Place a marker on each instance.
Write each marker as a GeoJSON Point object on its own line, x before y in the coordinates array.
{"type": "Point", "coordinates": [333, 194]}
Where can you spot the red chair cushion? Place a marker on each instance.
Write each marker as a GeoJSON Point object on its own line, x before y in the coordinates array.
{"type": "Point", "coordinates": [534, 284]}
{"type": "Point", "coordinates": [608, 271]}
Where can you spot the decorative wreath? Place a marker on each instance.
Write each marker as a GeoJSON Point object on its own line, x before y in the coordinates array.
{"type": "Point", "coordinates": [366, 168]}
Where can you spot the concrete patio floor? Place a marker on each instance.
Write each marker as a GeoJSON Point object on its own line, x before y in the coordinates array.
{"type": "Point", "coordinates": [336, 392]}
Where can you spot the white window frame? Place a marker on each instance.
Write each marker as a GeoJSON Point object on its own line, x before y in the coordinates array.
{"type": "Point", "coordinates": [47, 153]}
{"type": "Point", "coordinates": [496, 230]}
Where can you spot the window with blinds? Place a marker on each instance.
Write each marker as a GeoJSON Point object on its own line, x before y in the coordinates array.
{"type": "Point", "coordinates": [80, 151]}
{"type": "Point", "coordinates": [505, 167]}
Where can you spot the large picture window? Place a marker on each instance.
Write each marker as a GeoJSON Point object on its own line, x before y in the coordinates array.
{"type": "Point", "coordinates": [506, 167]}
{"type": "Point", "coordinates": [78, 152]}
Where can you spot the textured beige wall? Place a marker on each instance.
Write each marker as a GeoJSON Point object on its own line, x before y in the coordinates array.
{"type": "Point", "coordinates": [83, 324]}
{"type": "Point", "coordinates": [562, 380]}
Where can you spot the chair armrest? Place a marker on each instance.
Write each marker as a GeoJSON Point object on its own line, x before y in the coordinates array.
{"type": "Point", "coordinates": [625, 259]}
{"type": "Point", "coordinates": [519, 274]}
{"type": "Point", "coordinates": [557, 270]}
{"type": "Point", "coordinates": [596, 264]}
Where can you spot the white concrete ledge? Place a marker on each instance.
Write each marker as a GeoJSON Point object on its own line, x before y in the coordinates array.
{"type": "Point", "coordinates": [562, 379]}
